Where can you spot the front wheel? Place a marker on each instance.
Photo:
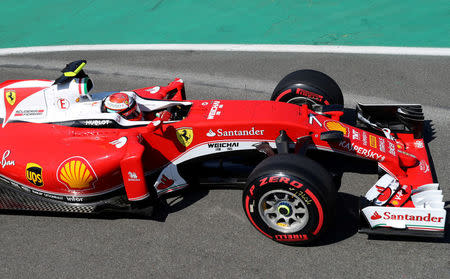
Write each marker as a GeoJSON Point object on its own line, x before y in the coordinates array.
{"type": "Point", "coordinates": [289, 198]}
{"type": "Point", "coordinates": [309, 87]}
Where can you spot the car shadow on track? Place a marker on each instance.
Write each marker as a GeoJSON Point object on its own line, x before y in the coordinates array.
{"type": "Point", "coordinates": [169, 205]}
{"type": "Point", "coordinates": [345, 223]}
{"type": "Point", "coordinates": [161, 209]}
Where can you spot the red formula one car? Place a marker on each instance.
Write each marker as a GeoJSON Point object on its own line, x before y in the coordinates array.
{"type": "Point", "coordinates": [62, 150]}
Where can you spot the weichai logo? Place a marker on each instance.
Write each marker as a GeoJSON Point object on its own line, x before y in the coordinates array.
{"type": "Point", "coordinates": [34, 174]}
{"type": "Point", "coordinates": [223, 144]}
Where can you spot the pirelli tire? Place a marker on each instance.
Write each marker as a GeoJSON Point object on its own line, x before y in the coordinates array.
{"type": "Point", "coordinates": [308, 87]}
{"type": "Point", "coordinates": [290, 199]}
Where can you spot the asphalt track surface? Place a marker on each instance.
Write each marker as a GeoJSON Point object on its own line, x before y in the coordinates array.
{"type": "Point", "coordinates": [205, 234]}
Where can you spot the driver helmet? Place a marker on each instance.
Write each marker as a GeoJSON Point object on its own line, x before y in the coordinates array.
{"type": "Point", "coordinates": [124, 105]}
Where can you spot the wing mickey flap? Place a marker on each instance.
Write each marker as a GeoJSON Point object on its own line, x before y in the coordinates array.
{"type": "Point", "coordinates": [133, 172]}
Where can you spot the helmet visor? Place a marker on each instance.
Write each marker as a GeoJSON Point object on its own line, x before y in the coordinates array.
{"type": "Point", "coordinates": [133, 113]}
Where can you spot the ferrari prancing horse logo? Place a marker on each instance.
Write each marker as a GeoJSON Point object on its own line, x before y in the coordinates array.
{"type": "Point", "coordinates": [10, 97]}
{"type": "Point", "coordinates": [185, 136]}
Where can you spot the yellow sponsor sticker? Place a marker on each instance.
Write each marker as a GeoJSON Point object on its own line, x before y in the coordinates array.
{"type": "Point", "coordinates": [77, 174]}
{"type": "Point", "coordinates": [373, 141]}
{"type": "Point", "coordinates": [34, 174]}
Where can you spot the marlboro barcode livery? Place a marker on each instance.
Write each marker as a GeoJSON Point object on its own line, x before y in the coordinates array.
{"type": "Point", "coordinates": [68, 150]}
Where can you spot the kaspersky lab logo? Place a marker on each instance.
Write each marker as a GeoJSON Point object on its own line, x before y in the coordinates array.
{"type": "Point", "coordinates": [34, 174]}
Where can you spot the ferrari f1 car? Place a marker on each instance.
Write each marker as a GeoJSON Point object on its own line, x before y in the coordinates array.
{"type": "Point", "coordinates": [62, 152]}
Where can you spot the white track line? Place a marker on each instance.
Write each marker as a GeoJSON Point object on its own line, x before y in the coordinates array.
{"type": "Point", "coordinates": [236, 47]}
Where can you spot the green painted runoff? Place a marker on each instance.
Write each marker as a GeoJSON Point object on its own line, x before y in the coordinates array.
{"type": "Point", "coordinates": [417, 23]}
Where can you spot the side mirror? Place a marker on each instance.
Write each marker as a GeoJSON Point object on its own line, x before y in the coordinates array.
{"type": "Point", "coordinates": [155, 124]}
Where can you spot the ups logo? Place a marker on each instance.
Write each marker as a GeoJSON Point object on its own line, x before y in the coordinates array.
{"type": "Point", "coordinates": [34, 174]}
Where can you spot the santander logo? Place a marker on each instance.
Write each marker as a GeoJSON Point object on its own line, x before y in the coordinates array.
{"type": "Point", "coordinates": [165, 183]}
{"type": "Point", "coordinates": [235, 133]}
{"type": "Point", "coordinates": [375, 216]}
{"type": "Point", "coordinates": [407, 217]}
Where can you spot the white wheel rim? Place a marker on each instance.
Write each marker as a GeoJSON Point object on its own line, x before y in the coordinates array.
{"type": "Point", "coordinates": [283, 211]}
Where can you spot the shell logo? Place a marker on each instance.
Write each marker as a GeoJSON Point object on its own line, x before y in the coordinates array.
{"type": "Point", "coordinates": [76, 174]}
{"type": "Point", "coordinates": [336, 126]}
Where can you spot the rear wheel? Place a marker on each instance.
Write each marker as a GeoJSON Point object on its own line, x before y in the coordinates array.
{"type": "Point", "coordinates": [289, 198]}
{"type": "Point", "coordinates": [309, 87]}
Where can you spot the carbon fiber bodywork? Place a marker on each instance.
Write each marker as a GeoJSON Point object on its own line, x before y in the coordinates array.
{"type": "Point", "coordinates": [14, 199]}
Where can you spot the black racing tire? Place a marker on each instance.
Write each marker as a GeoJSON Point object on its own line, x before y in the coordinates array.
{"type": "Point", "coordinates": [310, 87]}
{"type": "Point", "coordinates": [290, 199]}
